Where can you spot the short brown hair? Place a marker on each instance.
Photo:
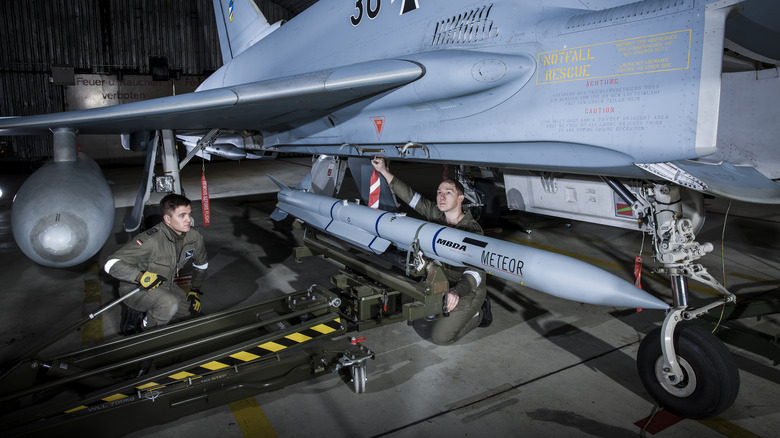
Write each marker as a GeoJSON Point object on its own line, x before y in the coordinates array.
{"type": "Point", "coordinates": [171, 202]}
{"type": "Point", "coordinates": [458, 186]}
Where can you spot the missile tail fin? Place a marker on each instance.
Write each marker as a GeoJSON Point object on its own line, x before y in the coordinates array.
{"type": "Point", "coordinates": [358, 237]}
{"type": "Point", "coordinates": [278, 214]}
{"type": "Point", "coordinates": [282, 187]}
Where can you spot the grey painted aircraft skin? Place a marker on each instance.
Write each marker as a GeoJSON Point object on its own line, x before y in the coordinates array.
{"type": "Point", "coordinates": [607, 88]}
{"type": "Point", "coordinates": [518, 84]}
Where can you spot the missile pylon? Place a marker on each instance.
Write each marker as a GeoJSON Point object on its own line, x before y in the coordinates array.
{"type": "Point", "coordinates": [374, 230]}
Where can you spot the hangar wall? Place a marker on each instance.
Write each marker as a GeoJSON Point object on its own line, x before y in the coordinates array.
{"type": "Point", "coordinates": [47, 44]}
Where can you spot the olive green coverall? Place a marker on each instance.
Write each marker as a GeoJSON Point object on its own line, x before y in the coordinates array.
{"type": "Point", "coordinates": [161, 251]}
{"type": "Point", "coordinates": [468, 282]}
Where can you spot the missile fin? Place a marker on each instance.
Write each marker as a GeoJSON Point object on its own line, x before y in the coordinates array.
{"type": "Point", "coordinates": [278, 214]}
{"type": "Point", "coordinates": [309, 217]}
{"type": "Point", "coordinates": [358, 237]}
{"type": "Point", "coordinates": [282, 186]}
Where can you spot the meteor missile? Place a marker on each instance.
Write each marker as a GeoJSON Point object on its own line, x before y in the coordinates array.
{"type": "Point", "coordinates": [374, 230]}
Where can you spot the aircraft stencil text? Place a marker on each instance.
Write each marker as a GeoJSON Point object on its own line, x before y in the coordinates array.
{"type": "Point", "coordinates": [647, 54]}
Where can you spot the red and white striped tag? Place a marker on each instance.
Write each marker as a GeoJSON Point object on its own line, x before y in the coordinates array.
{"type": "Point", "coordinates": [373, 192]}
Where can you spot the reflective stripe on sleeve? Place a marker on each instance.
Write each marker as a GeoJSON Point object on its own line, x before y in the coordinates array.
{"type": "Point", "coordinates": [202, 267]}
{"type": "Point", "coordinates": [474, 274]}
{"type": "Point", "coordinates": [109, 264]}
{"type": "Point", "coordinates": [415, 199]}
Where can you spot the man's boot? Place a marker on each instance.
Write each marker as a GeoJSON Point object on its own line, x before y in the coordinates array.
{"type": "Point", "coordinates": [487, 314]}
{"type": "Point", "coordinates": [131, 321]}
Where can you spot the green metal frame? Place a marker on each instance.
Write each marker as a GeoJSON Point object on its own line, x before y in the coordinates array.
{"type": "Point", "coordinates": [418, 299]}
{"type": "Point", "coordinates": [158, 376]}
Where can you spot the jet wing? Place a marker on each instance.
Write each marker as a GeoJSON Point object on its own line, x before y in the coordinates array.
{"type": "Point", "coordinates": [257, 105]}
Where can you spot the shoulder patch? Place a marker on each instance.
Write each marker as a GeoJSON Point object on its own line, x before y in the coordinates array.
{"type": "Point", "coordinates": [139, 241]}
{"type": "Point", "coordinates": [152, 232]}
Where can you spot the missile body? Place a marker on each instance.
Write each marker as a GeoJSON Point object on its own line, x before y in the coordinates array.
{"type": "Point", "coordinates": [545, 271]}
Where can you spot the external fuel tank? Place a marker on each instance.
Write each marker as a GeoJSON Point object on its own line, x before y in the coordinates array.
{"type": "Point", "coordinates": [63, 214]}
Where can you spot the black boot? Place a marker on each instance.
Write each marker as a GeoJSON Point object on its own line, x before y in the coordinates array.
{"type": "Point", "coordinates": [131, 321]}
{"type": "Point", "coordinates": [487, 315]}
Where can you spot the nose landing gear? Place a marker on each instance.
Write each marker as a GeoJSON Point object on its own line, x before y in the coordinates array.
{"type": "Point", "coordinates": [686, 369]}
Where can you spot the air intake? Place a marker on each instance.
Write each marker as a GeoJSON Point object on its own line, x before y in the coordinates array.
{"type": "Point", "coordinates": [469, 27]}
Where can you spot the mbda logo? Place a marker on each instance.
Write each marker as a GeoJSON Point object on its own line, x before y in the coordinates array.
{"type": "Point", "coordinates": [453, 245]}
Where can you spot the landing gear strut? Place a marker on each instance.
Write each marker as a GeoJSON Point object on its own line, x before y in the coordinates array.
{"type": "Point", "coordinates": [686, 369]}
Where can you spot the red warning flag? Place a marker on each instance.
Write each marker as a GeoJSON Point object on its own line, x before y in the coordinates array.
{"type": "Point", "coordinates": [204, 197]}
{"type": "Point", "coordinates": [638, 271]}
{"type": "Point", "coordinates": [373, 192]}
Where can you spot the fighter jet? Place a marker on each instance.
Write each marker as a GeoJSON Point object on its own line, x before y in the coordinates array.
{"type": "Point", "coordinates": [607, 111]}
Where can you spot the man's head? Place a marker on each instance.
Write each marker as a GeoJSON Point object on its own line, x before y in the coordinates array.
{"type": "Point", "coordinates": [176, 212]}
{"type": "Point", "coordinates": [449, 196]}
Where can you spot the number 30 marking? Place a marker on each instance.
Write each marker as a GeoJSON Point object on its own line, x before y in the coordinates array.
{"type": "Point", "coordinates": [371, 12]}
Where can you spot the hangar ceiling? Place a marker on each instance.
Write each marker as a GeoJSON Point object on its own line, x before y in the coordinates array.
{"type": "Point", "coordinates": [44, 41]}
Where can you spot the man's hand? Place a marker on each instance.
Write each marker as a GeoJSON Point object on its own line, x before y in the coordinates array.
{"type": "Point", "coordinates": [380, 165]}
{"type": "Point", "coordinates": [192, 297]}
{"type": "Point", "coordinates": [150, 280]}
{"type": "Point", "coordinates": [451, 301]}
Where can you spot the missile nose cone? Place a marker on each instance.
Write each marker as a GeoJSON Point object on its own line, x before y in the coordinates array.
{"type": "Point", "coordinates": [59, 237]}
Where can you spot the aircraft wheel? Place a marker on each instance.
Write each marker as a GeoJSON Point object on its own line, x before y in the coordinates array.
{"type": "Point", "coordinates": [359, 378]}
{"type": "Point", "coordinates": [710, 378]}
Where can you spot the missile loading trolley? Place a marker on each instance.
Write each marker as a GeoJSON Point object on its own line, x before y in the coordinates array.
{"type": "Point", "coordinates": [158, 376]}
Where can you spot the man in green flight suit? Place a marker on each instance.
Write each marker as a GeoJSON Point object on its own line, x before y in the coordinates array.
{"type": "Point", "coordinates": [152, 260]}
{"type": "Point", "coordinates": [467, 300]}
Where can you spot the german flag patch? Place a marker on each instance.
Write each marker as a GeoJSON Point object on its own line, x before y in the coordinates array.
{"type": "Point", "coordinates": [139, 241]}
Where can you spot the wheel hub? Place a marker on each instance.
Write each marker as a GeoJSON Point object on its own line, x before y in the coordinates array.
{"type": "Point", "coordinates": [682, 388]}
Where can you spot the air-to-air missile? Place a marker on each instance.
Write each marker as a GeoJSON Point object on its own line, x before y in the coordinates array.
{"type": "Point", "coordinates": [374, 230]}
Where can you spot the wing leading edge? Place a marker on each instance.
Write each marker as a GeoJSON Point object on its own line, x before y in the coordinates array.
{"type": "Point", "coordinates": [257, 105]}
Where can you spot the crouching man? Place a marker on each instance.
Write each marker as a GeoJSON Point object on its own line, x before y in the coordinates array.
{"type": "Point", "coordinates": [467, 301]}
{"type": "Point", "coordinates": [152, 260]}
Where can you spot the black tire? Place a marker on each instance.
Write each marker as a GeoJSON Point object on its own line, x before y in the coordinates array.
{"type": "Point", "coordinates": [711, 379]}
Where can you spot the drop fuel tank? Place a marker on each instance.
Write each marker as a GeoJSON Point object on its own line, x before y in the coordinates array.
{"type": "Point", "coordinates": [63, 213]}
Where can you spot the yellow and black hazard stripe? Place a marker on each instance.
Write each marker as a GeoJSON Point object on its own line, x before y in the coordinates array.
{"type": "Point", "coordinates": [239, 357]}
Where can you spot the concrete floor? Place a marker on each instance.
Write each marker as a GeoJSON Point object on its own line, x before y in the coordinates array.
{"type": "Point", "coordinates": [546, 367]}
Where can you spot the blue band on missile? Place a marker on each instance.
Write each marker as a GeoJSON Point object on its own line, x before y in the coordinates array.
{"type": "Point", "coordinates": [376, 225]}
{"type": "Point", "coordinates": [371, 243]}
{"type": "Point", "coordinates": [433, 242]}
{"type": "Point", "coordinates": [331, 209]}
{"type": "Point", "coordinates": [331, 215]}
